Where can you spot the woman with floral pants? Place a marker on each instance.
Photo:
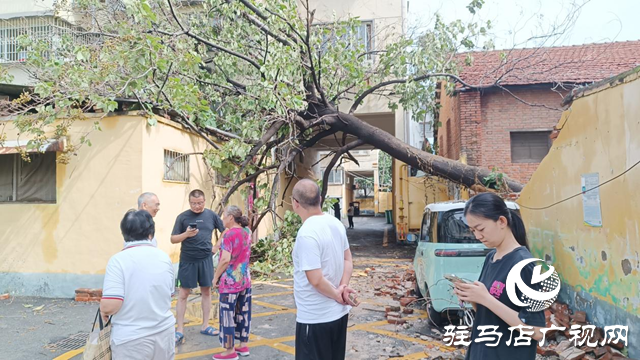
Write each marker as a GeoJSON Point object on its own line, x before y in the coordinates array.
{"type": "Point", "coordinates": [235, 285]}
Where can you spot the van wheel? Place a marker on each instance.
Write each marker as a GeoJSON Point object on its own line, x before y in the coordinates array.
{"type": "Point", "coordinates": [417, 291]}
{"type": "Point", "coordinates": [434, 316]}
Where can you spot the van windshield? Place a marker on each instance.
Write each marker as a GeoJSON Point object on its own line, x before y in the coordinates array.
{"type": "Point", "coordinates": [453, 229]}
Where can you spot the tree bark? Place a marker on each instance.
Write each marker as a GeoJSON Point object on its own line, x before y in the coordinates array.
{"type": "Point", "coordinates": [467, 175]}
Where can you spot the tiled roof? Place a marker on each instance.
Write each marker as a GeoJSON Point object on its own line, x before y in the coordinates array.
{"type": "Point", "coordinates": [566, 64]}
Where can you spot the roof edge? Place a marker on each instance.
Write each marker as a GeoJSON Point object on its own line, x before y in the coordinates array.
{"type": "Point", "coordinates": [601, 85]}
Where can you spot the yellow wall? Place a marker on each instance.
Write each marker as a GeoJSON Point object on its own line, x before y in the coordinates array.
{"type": "Point", "coordinates": [601, 265]}
{"type": "Point", "coordinates": [81, 231]}
{"type": "Point", "coordinates": [384, 201]}
{"type": "Point", "coordinates": [48, 249]}
{"type": "Point", "coordinates": [174, 195]}
{"type": "Point", "coordinates": [413, 194]}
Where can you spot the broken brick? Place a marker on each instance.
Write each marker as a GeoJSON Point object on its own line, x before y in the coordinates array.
{"type": "Point", "coordinates": [390, 308]}
{"type": "Point", "coordinates": [396, 321]}
{"type": "Point", "coordinates": [572, 354]}
{"type": "Point", "coordinates": [82, 291]}
{"type": "Point", "coordinates": [4, 296]}
{"type": "Point", "coordinates": [407, 311]}
{"type": "Point", "coordinates": [562, 346]}
{"type": "Point", "coordinates": [406, 301]}
{"type": "Point", "coordinates": [599, 351]}
{"type": "Point", "coordinates": [545, 351]}
{"type": "Point", "coordinates": [393, 314]}
{"type": "Point", "coordinates": [580, 317]}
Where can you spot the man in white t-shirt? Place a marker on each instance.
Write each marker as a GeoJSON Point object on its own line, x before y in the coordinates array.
{"type": "Point", "coordinates": [322, 270]}
{"type": "Point", "coordinates": [149, 202]}
{"type": "Point", "coordinates": [138, 284]}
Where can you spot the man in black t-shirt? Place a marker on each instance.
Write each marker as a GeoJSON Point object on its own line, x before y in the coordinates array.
{"type": "Point", "coordinates": [194, 231]}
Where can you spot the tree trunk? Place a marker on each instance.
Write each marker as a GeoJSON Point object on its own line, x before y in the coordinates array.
{"type": "Point", "coordinates": [467, 175]}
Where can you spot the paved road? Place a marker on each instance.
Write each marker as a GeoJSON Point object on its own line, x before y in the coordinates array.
{"type": "Point", "coordinates": [370, 336]}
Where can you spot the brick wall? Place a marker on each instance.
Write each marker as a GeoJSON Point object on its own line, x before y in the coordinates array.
{"type": "Point", "coordinates": [449, 117]}
{"type": "Point", "coordinates": [480, 125]}
{"type": "Point", "coordinates": [502, 113]}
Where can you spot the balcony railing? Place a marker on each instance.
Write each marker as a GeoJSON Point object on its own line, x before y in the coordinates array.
{"type": "Point", "coordinates": [40, 28]}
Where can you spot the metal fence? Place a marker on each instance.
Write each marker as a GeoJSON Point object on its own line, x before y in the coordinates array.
{"type": "Point", "coordinates": [40, 28]}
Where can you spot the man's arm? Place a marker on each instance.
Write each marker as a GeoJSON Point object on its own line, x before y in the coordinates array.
{"type": "Point", "coordinates": [176, 239]}
{"type": "Point", "coordinates": [348, 268]}
{"type": "Point", "coordinates": [324, 287]}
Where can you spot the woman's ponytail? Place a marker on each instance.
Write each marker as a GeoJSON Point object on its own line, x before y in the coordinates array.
{"type": "Point", "coordinates": [517, 228]}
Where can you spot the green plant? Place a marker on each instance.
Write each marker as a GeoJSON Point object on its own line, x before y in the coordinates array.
{"type": "Point", "coordinates": [495, 179]}
{"type": "Point", "coordinates": [273, 256]}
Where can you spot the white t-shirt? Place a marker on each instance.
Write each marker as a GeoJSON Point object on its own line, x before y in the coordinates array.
{"type": "Point", "coordinates": [320, 244]}
{"type": "Point", "coordinates": [141, 276]}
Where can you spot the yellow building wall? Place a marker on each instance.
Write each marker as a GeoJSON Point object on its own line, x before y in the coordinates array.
{"type": "Point", "coordinates": [167, 135]}
{"type": "Point", "coordinates": [51, 249]}
{"type": "Point", "coordinates": [78, 233]}
{"type": "Point", "coordinates": [385, 200]}
{"type": "Point", "coordinates": [599, 266]}
{"type": "Point", "coordinates": [411, 195]}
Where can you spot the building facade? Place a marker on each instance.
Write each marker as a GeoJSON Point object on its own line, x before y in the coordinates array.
{"type": "Point", "coordinates": [507, 125]}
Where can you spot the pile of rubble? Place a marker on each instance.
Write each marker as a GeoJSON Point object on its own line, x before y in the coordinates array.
{"type": "Point", "coordinates": [560, 342]}
{"type": "Point", "coordinates": [400, 287]}
{"type": "Point", "coordinates": [86, 295]}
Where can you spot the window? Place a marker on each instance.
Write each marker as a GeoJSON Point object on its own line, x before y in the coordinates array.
{"type": "Point", "coordinates": [425, 229]}
{"type": "Point", "coordinates": [176, 166]}
{"type": "Point", "coordinates": [454, 229]}
{"type": "Point", "coordinates": [529, 146]}
{"type": "Point", "coordinates": [335, 176]}
{"type": "Point", "coordinates": [28, 181]}
{"type": "Point", "coordinates": [363, 37]}
{"type": "Point", "coordinates": [40, 28]}
{"type": "Point", "coordinates": [364, 34]}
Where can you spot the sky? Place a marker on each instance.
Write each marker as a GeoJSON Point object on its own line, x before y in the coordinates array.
{"type": "Point", "coordinates": [516, 21]}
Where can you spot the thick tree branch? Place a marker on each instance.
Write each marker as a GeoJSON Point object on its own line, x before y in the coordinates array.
{"type": "Point", "coordinates": [332, 163]}
{"type": "Point", "coordinates": [372, 89]}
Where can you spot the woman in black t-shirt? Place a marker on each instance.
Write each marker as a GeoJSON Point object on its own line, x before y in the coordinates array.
{"type": "Point", "coordinates": [502, 229]}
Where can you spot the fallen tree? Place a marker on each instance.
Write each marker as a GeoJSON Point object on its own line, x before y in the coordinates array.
{"type": "Point", "coordinates": [266, 77]}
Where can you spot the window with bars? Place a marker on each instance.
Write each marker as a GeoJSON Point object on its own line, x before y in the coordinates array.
{"type": "Point", "coordinates": [28, 181]}
{"type": "Point", "coordinates": [335, 176]}
{"type": "Point", "coordinates": [529, 146]}
{"type": "Point", "coordinates": [362, 36]}
{"type": "Point", "coordinates": [176, 166]}
{"type": "Point", "coordinates": [50, 29]}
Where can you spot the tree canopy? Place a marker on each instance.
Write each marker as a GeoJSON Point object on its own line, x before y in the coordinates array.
{"type": "Point", "coordinates": [265, 76]}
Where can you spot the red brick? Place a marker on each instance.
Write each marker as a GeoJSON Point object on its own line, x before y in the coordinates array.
{"type": "Point", "coordinates": [407, 311]}
{"type": "Point", "coordinates": [406, 301]}
{"type": "Point", "coordinates": [396, 321]}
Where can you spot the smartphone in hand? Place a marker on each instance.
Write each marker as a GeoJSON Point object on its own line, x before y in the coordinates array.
{"type": "Point", "coordinates": [454, 279]}
{"type": "Point", "coordinates": [193, 226]}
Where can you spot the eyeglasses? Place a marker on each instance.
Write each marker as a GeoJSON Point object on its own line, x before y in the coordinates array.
{"type": "Point", "coordinates": [293, 198]}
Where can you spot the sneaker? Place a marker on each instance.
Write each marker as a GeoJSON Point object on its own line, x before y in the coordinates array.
{"type": "Point", "coordinates": [232, 356]}
{"type": "Point", "coordinates": [243, 351]}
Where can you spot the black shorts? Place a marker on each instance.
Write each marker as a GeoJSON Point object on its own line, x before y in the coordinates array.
{"type": "Point", "coordinates": [192, 274]}
{"type": "Point", "coordinates": [325, 341]}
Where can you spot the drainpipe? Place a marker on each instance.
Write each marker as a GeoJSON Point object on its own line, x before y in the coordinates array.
{"type": "Point", "coordinates": [401, 225]}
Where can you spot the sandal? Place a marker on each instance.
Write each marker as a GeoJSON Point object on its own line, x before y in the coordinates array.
{"type": "Point", "coordinates": [211, 331]}
{"type": "Point", "coordinates": [179, 338]}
